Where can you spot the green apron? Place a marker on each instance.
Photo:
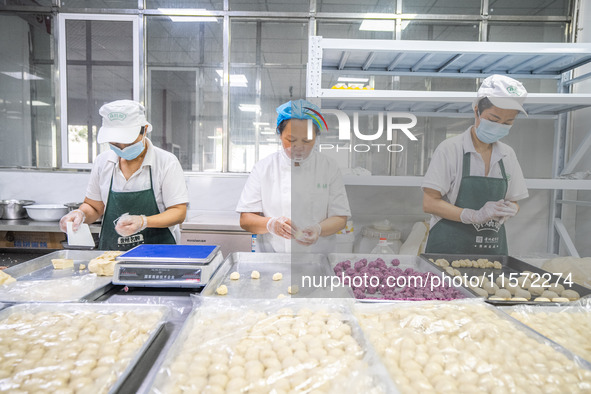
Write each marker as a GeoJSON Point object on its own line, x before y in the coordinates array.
{"type": "Point", "coordinates": [451, 237]}
{"type": "Point", "coordinates": [135, 203]}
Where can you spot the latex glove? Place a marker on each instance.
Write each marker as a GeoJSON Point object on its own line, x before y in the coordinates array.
{"type": "Point", "coordinates": [490, 210]}
{"type": "Point", "coordinates": [280, 226]}
{"type": "Point", "coordinates": [309, 235]}
{"type": "Point", "coordinates": [130, 224]}
{"type": "Point", "coordinates": [509, 211]}
{"type": "Point", "coordinates": [77, 217]}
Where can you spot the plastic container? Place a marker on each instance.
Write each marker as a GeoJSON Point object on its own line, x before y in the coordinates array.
{"type": "Point", "coordinates": [370, 235]}
{"type": "Point", "coordinates": [382, 247]}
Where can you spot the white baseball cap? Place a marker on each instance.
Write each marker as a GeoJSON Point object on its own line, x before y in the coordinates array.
{"type": "Point", "coordinates": [503, 92]}
{"type": "Point", "coordinates": [122, 122]}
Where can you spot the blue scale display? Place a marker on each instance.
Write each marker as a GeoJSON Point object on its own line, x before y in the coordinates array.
{"type": "Point", "coordinates": [180, 266]}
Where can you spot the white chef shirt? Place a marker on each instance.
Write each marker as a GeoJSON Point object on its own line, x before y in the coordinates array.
{"type": "Point", "coordinates": [168, 179]}
{"type": "Point", "coordinates": [445, 170]}
{"type": "Point", "coordinates": [269, 190]}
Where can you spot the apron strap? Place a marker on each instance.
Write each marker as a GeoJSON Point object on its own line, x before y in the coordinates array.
{"type": "Point", "coordinates": [466, 165]}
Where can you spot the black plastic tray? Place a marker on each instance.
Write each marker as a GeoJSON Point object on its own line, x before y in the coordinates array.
{"type": "Point", "coordinates": [510, 265]}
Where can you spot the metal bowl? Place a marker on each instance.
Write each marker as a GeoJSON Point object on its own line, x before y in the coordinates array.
{"type": "Point", "coordinates": [72, 205]}
{"type": "Point", "coordinates": [46, 212]}
{"type": "Point", "coordinates": [15, 209]}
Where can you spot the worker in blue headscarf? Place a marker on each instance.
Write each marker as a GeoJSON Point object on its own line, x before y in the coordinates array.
{"type": "Point", "coordinates": [296, 180]}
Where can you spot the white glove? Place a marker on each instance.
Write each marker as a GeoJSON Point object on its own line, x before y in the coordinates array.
{"type": "Point", "coordinates": [510, 210]}
{"type": "Point", "coordinates": [309, 235]}
{"type": "Point", "coordinates": [490, 210]}
{"type": "Point", "coordinates": [280, 226]}
{"type": "Point", "coordinates": [77, 217]}
{"type": "Point", "coordinates": [130, 224]}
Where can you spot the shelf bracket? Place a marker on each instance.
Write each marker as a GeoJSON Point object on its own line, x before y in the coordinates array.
{"type": "Point", "coordinates": [523, 64]}
{"type": "Point", "coordinates": [396, 60]}
{"type": "Point", "coordinates": [314, 68]}
{"type": "Point", "coordinates": [344, 58]}
{"type": "Point", "coordinates": [449, 62]}
{"type": "Point", "coordinates": [581, 151]}
{"type": "Point", "coordinates": [418, 64]}
{"type": "Point", "coordinates": [577, 79]}
{"type": "Point", "coordinates": [570, 246]}
{"type": "Point", "coordinates": [368, 61]}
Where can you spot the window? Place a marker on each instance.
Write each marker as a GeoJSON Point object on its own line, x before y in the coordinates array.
{"type": "Point", "coordinates": [27, 109]}
{"type": "Point", "coordinates": [185, 89]}
{"type": "Point", "coordinates": [267, 68]}
{"type": "Point", "coordinates": [98, 64]}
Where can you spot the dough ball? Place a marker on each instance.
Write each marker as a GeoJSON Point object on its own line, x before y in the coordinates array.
{"type": "Point", "coordinates": [82, 267]}
{"type": "Point", "coordinates": [497, 265]}
{"type": "Point", "coordinates": [255, 275]}
{"type": "Point", "coordinates": [521, 293]}
{"type": "Point", "coordinates": [570, 294]}
{"type": "Point", "coordinates": [281, 296]}
{"type": "Point", "coordinates": [235, 275]}
{"type": "Point", "coordinates": [560, 299]}
{"type": "Point", "coordinates": [536, 290]}
{"type": "Point", "coordinates": [556, 287]}
{"type": "Point", "coordinates": [277, 276]}
{"type": "Point", "coordinates": [491, 288]}
{"type": "Point", "coordinates": [503, 293]}
{"type": "Point", "coordinates": [292, 289]}
{"type": "Point", "coordinates": [549, 294]}
{"type": "Point", "coordinates": [501, 281]}
{"type": "Point", "coordinates": [521, 299]}
{"type": "Point", "coordinates": [456, 264]}
{"type": "Point", "coordinates": [524, 282]}
{"type": "Point", "coordinates": [541, 299]}
{"type": "Point", "coordinates": [511, 287]}
{"type": "Point", "coordinates": [222, 290]}
{"type": "Point", "coordinates": [480, 292]}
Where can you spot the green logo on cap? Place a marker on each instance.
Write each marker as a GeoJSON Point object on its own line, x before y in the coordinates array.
{"type": "Point", "coordinates": [513, 90]}
{"type": "Point", "coordinates": [117, 116]}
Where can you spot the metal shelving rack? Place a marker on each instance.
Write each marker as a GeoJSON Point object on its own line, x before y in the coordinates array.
{"type": "Point", "coordinates": [554, 61]}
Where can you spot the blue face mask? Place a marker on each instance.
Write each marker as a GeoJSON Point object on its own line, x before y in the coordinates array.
{"type": "Point", "coordinates": [131, 152]}
{"type": "Point", "coordinates": [489, 132]}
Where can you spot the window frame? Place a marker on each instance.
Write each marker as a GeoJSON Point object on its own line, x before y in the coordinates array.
{"type": "Point", "coordinates": [62, 72]}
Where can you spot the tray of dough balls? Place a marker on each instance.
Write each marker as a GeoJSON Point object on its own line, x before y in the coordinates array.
{"type": "Point", "coordinates": [506, 280]}
{"type": "Point", "coordinates": [382, 278]}
{"type": "Point", "coordinates": [61, 276]}
{"type": "Point", "coordinates": [567, 325]}
{"type": "Point", "coordinates": [74, 348]}
{"type": "Point", "coordinates": [271, 346]}
{"type": "Point", "coordinates": [267, 275]}
{"type": "Point", "coordinates": [467, 346]}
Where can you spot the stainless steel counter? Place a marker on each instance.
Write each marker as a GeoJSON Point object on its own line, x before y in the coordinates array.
{"type": "Point", "coordinates": [34, 225]}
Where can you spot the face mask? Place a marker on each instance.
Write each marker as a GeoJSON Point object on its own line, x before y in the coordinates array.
{"type": "Point", "coordinates": [489, 132]}
{"type": "Point", "coordinates": [131, 152]}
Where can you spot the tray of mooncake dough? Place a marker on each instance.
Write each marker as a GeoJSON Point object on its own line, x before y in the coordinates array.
{"type": "Point", "coordinates": [532, 281]}
{"type": "Point", "coordinates": [279, 275]}
{"type": "Point", "coordinates": [290, 345]}
{"type": "Point", "coordinates": [77, 347]}
{"type": "Point", "coordinates": [39, 281]}
{"type": "Point", "coordinates": [567, 325]}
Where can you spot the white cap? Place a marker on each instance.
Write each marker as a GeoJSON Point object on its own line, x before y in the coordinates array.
{"type": "Point", "coordinates": [122, 122]}
{"type": "Point", "coordinates": [503, 92]}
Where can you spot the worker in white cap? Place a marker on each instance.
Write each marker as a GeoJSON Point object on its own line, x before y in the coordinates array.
{"type": "Point", "coordinates": [295, 198]}
{"type": "Point", "coordinates": [474, 181]}
{"type": "Point", "coordinates": [137, 188]}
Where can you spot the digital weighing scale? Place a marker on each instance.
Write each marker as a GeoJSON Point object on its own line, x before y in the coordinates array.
{"type": "Point", "coordinates": [167, 265]}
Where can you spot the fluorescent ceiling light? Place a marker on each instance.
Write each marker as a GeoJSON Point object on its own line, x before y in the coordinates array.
{"type": "Point", "coordinates": [377, 25]}
{"type": "Point", "coordinates": [214, 137]}
{"type": "Point", "coordinates": [261, 123]}
{"type": "Point", "coordinates": [37, 103]}
{"type": "Point", "coordinates": [185, 11]}
{"type": "Point", "coordinates": [236, 80]}
{"type": "Point", "coordinates": [21, 75]}
{"type": "Point", "coordinates": [267, 132]}
{"type": "Point", "coordinates": [193, 18]}
{"type": "Point", "coordinates": [249, 107]}
{"type": "Point", "coordinates": [349, 79]}
{"type": "Point", "coordinates": [271, 140]}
